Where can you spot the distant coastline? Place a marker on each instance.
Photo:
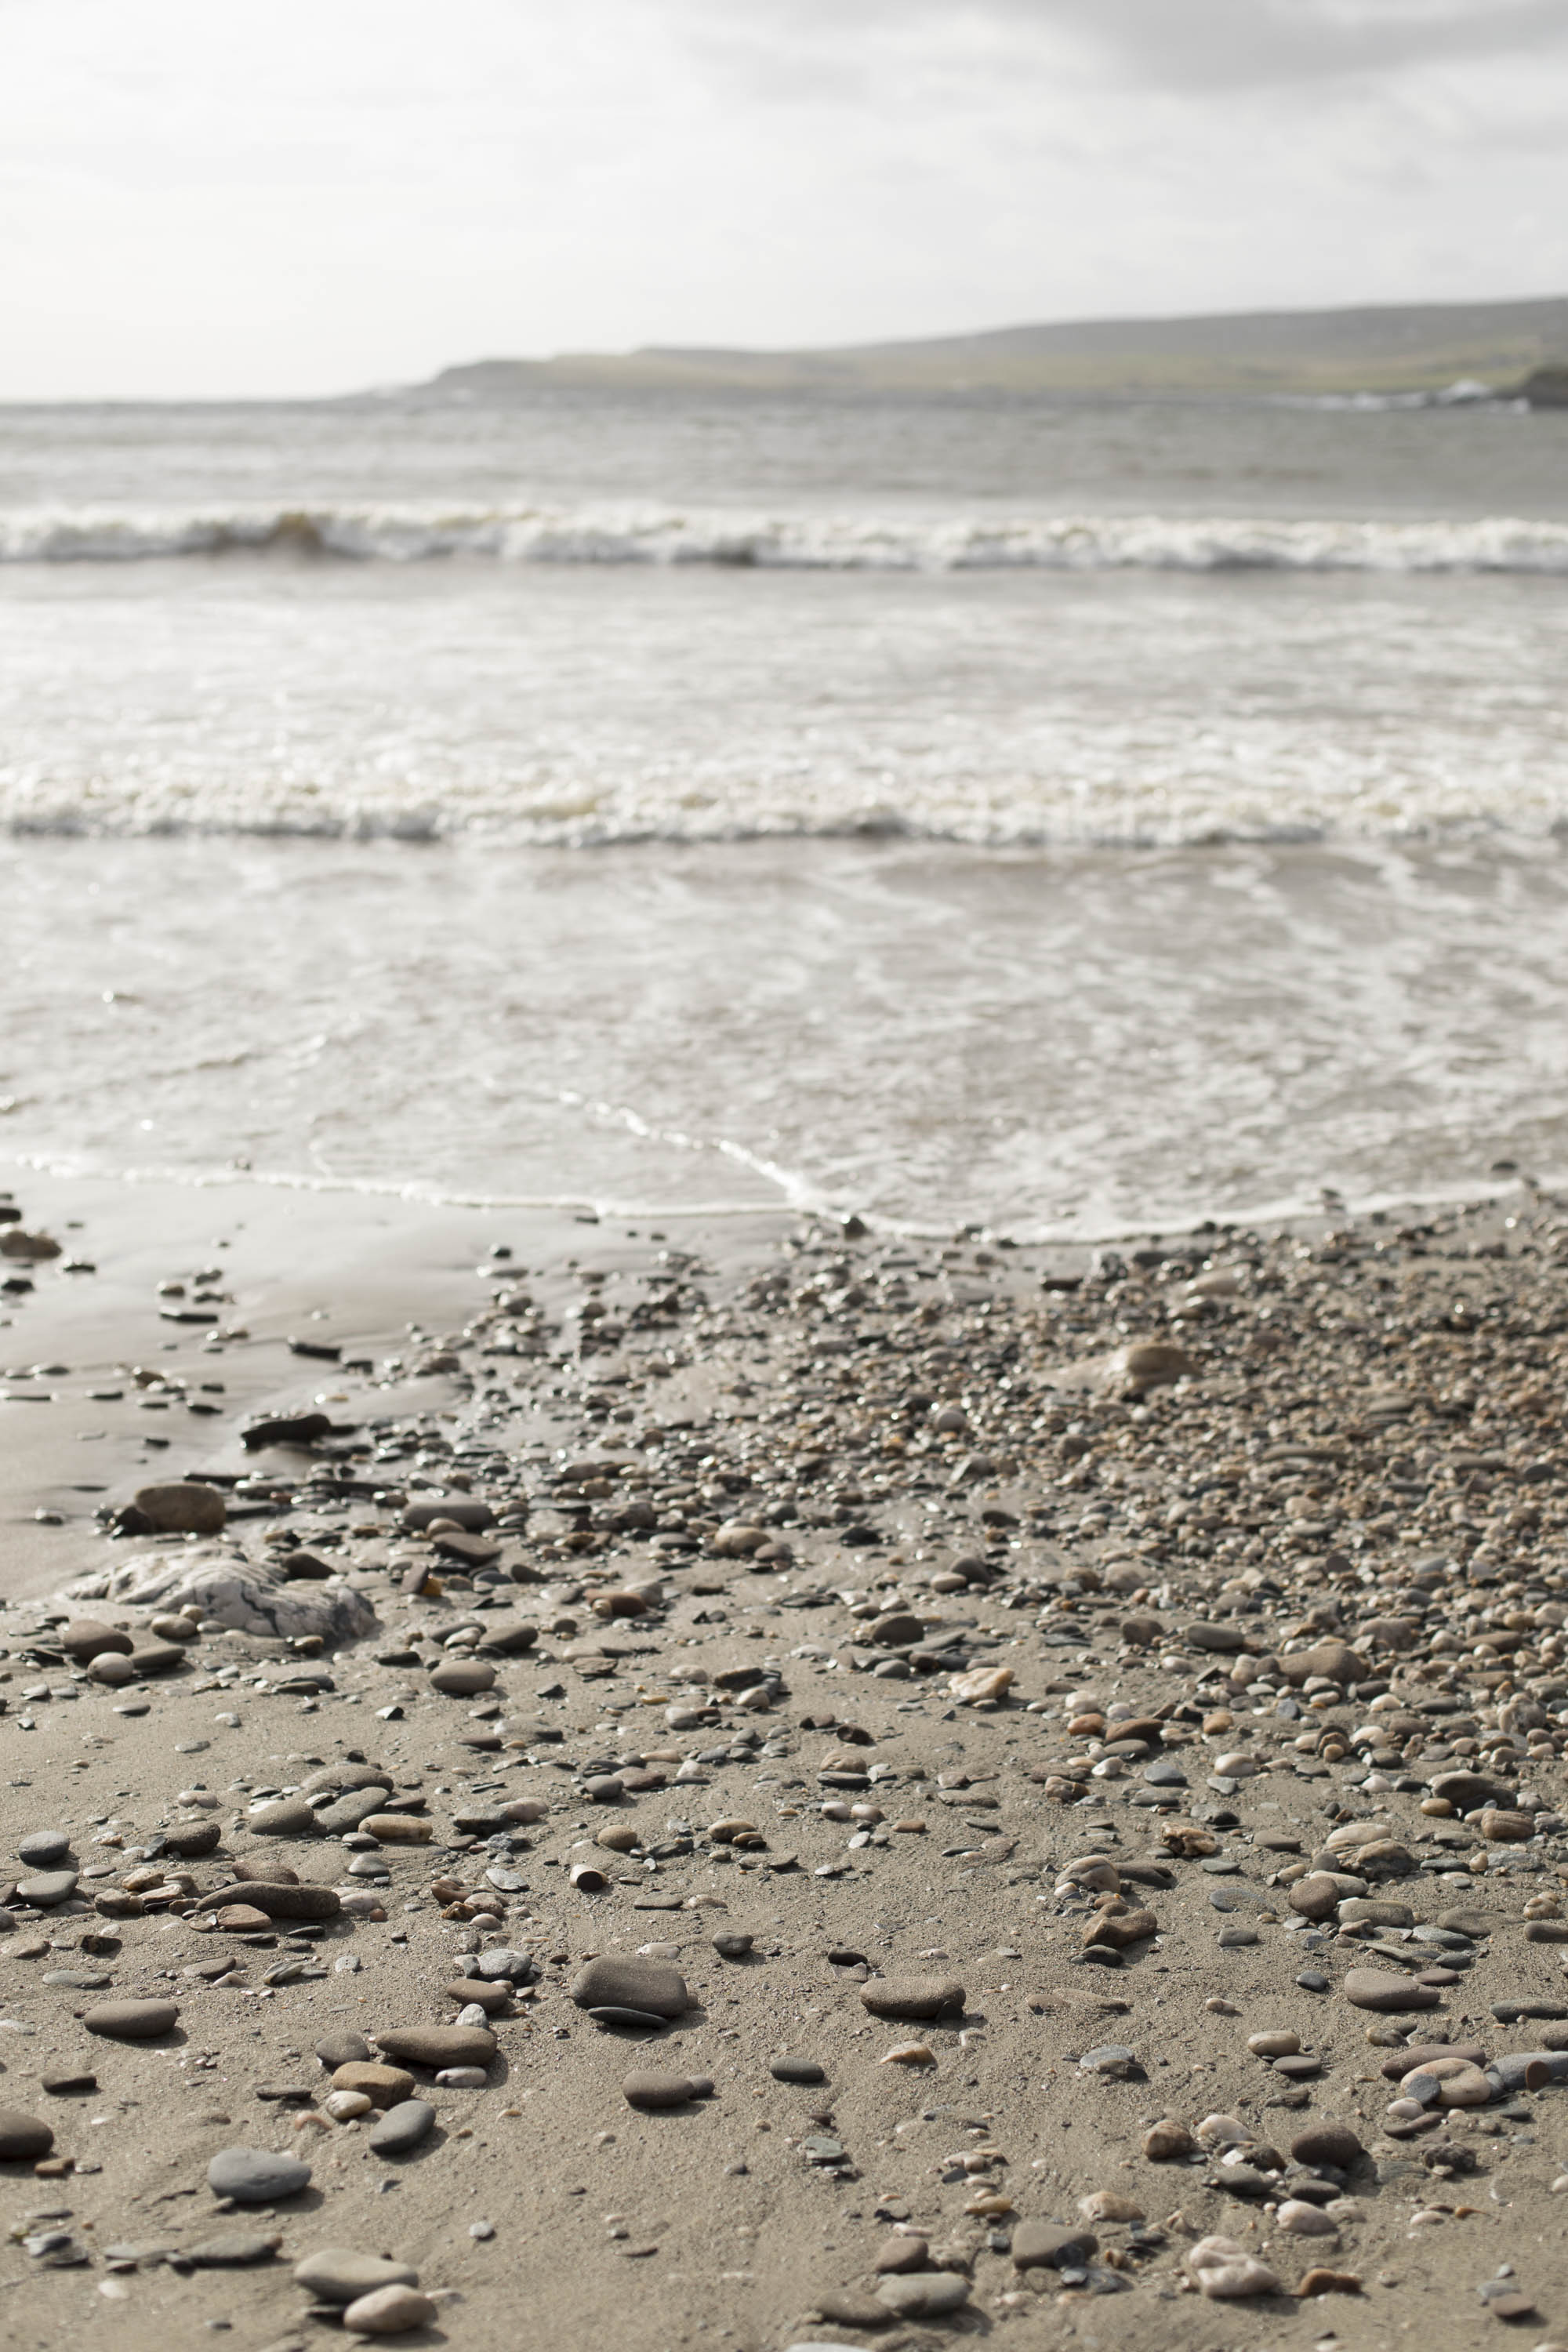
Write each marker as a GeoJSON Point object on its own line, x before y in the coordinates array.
{"type": "Point", "coordinates": [1416, 348]}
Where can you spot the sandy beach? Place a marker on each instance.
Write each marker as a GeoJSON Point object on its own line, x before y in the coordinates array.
{"type": "Point", "coordinates": [1024, 1750]}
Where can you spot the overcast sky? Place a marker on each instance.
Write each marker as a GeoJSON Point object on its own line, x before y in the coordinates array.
{"type": "Point", "coordinates": [308, 195]}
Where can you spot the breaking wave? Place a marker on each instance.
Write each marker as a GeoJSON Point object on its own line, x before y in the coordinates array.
{"type": "Point", "coordinates": [647, 534]}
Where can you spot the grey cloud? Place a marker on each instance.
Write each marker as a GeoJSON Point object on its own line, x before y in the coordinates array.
{"type": "Point", "coordinates": [1189, 45]}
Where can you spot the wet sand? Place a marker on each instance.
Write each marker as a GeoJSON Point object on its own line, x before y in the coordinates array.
{"type": "Point", "coordinates": [784, 1518]}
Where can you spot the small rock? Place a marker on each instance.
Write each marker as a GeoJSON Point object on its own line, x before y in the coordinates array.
{"type": "Point", "coordinates": [1379, 1989]}
{"type": "Point", "coordinates": [619, 1982]}
{"type": "Point", "coordinates": [403, 2127]}
{"type": "Point", "coordinates": [385, 2086]}
{"type": "Point", "coordinates": [389, 2311]}
{"type": "Point", "coordinates": [338, 2275]}
{"type": "Point", "coordinates": [22, 2137]}
{"type": "Point", "coordinates": [921, 1997]}
{"type": "Point", "coordinates": [48, 1888]}
{"type": "Point", "coordinates": [435, 2046]}
{"type": "Point", "coordinates": [342, 2049]}
{"type": "Point", "coordinates": [1225, 2272]}
{"type": "Point", "coordinates": [900, 2254]}
{"type": "Point", "coordinates": [132, 2021]}
{"type": "Point", "coordinates": [652, 2090]}
{"type": "Point", "coordinates": [1110, 2205]}
{"type": "Point", "coordinates": [931, 2296]}
{"type": "Point", "coordinates": [289, 1817]}
{"type": "Point", "coordinates": [1167, 2141]}
{"type": "Point", "coordinates": [41, 1848]}
{"type": "Point", "coordinates": [1334, 2144]}
{"type": "Point", "coordinates": [1325, 2281]}
{"type": "Point", "coordinates": [234, 2250]}
{"type": "Point", "coordinates": [1304, 2220]}
{"type": "Point", "coordinates": [254, 2176]}
{"type": "Point", "coordinates": [796, 2070]}
{"type": "Point", "coordinates": [463, 1678]}
{"type": "Point", "coordinates": [1041, 2245]}
{"type": "Point", "coordinates": [183, 1508]}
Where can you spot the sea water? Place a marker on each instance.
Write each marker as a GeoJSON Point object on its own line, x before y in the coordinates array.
{"type": "Point", "coordinates": [1054, 817]}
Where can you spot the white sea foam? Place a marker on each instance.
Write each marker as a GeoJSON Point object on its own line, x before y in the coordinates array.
{"type": "Point", "coordinates": [658, 534]}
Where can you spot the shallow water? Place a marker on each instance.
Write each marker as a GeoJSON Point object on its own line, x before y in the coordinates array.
{"type": "Point", "coordinates": [1037, 1041]}
{"type": "Point", "coordinates": [1045, 815]}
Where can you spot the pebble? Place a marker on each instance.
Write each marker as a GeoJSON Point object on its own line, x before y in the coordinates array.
{"type": "Point", "coordinates": [233, 2250]}
{"type": "Point", "coordinates": [291, 1817]}
{"type": "Point", "coordinates": [931, 2296]}
{"type": "Point", "coordinates": [337, 2274]}
{"type": "Point", "coordinates": [403, 2127]}
{"type": "Point", "coordinates": [796, 2070]}
{"type": "Point", "coordinates": [22, 2137]}
{"type": "Point", "coordinates": [342, 2049]}
{"type": "Point", "coordinates": [390, 2311]}
{"type": "Point", "coordinates": [435, 2046]}
{"type": "Point", "coordinates": [132, 2021]}
{"type": "Point", "coordinates": [182, 1507]}
{"type": "Point", "coordinates": [1378, 1989]}
{"type": "Point", "coordinates": [254, 2176]}
{"type": "Point", "coordinates": [617, 1983]}
{"type": "Point", "coordinates": [385, 2086]}
{"type": "Point", "coordinates": [916, 1997]}
{"type": "Point", "coordinates": [280, 1900]}
{"type": "Point", "coordinates": [656, 2090]}
{"type": "Point", "coordinates": [1041, 2244]}
{"type": "Point", "coordinates": [42, 1847]}
{"type": "Point", "coordinates": [48, 1888]}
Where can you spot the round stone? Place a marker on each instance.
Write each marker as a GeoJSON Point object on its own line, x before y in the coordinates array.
{"type": "Point", "coordinates": [132, 2021]}
{"type": "Point", "coordinates": [23, 2138]}
{"type": "Point", "coordinates": [189, 1841]}
{"type": "Point", "coordinates": [732, 1946]}
{"type": "Point", "coordinates": [345, 2049]}
{"type": "Point", "coordinates": [289, 1817]}
{"type": "Point", "coordinates": [48, 1888]}
{"type": "Point", "coordinates": [389, 2311]}
{"type": "Point", "coordinates": [41, 1848]}
{"type": "Point", "coordinates": [337, 2274]}
{"type": "Point", "coordinates": [796, 2070]}
{"type": "Point", "coordinates": [385, 2086]}
{"type": "Point", "coordinates": [1334, 2144]}
{"type": "Point", "coordinates": [403, 2127]}
{"type": "Point", "coordinates": [182, 1507]}
{"type": "Point", "coordinates": [461, 1678]}
{"type": "Point", "coordinates": [255, 2176]}
{"type": "Point", "coordinates": [85, 1639]}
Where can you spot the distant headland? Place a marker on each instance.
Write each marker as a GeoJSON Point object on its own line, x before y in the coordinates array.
{"type": "Point", "coordinates": [1470, 347]}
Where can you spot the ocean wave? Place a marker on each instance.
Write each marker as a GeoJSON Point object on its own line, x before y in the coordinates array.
{"type": "Point", "coordinates": [658, 535]}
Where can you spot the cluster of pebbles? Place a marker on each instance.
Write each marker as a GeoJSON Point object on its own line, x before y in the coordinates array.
{"type": "Point", "coordinates": [907, 1792]}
